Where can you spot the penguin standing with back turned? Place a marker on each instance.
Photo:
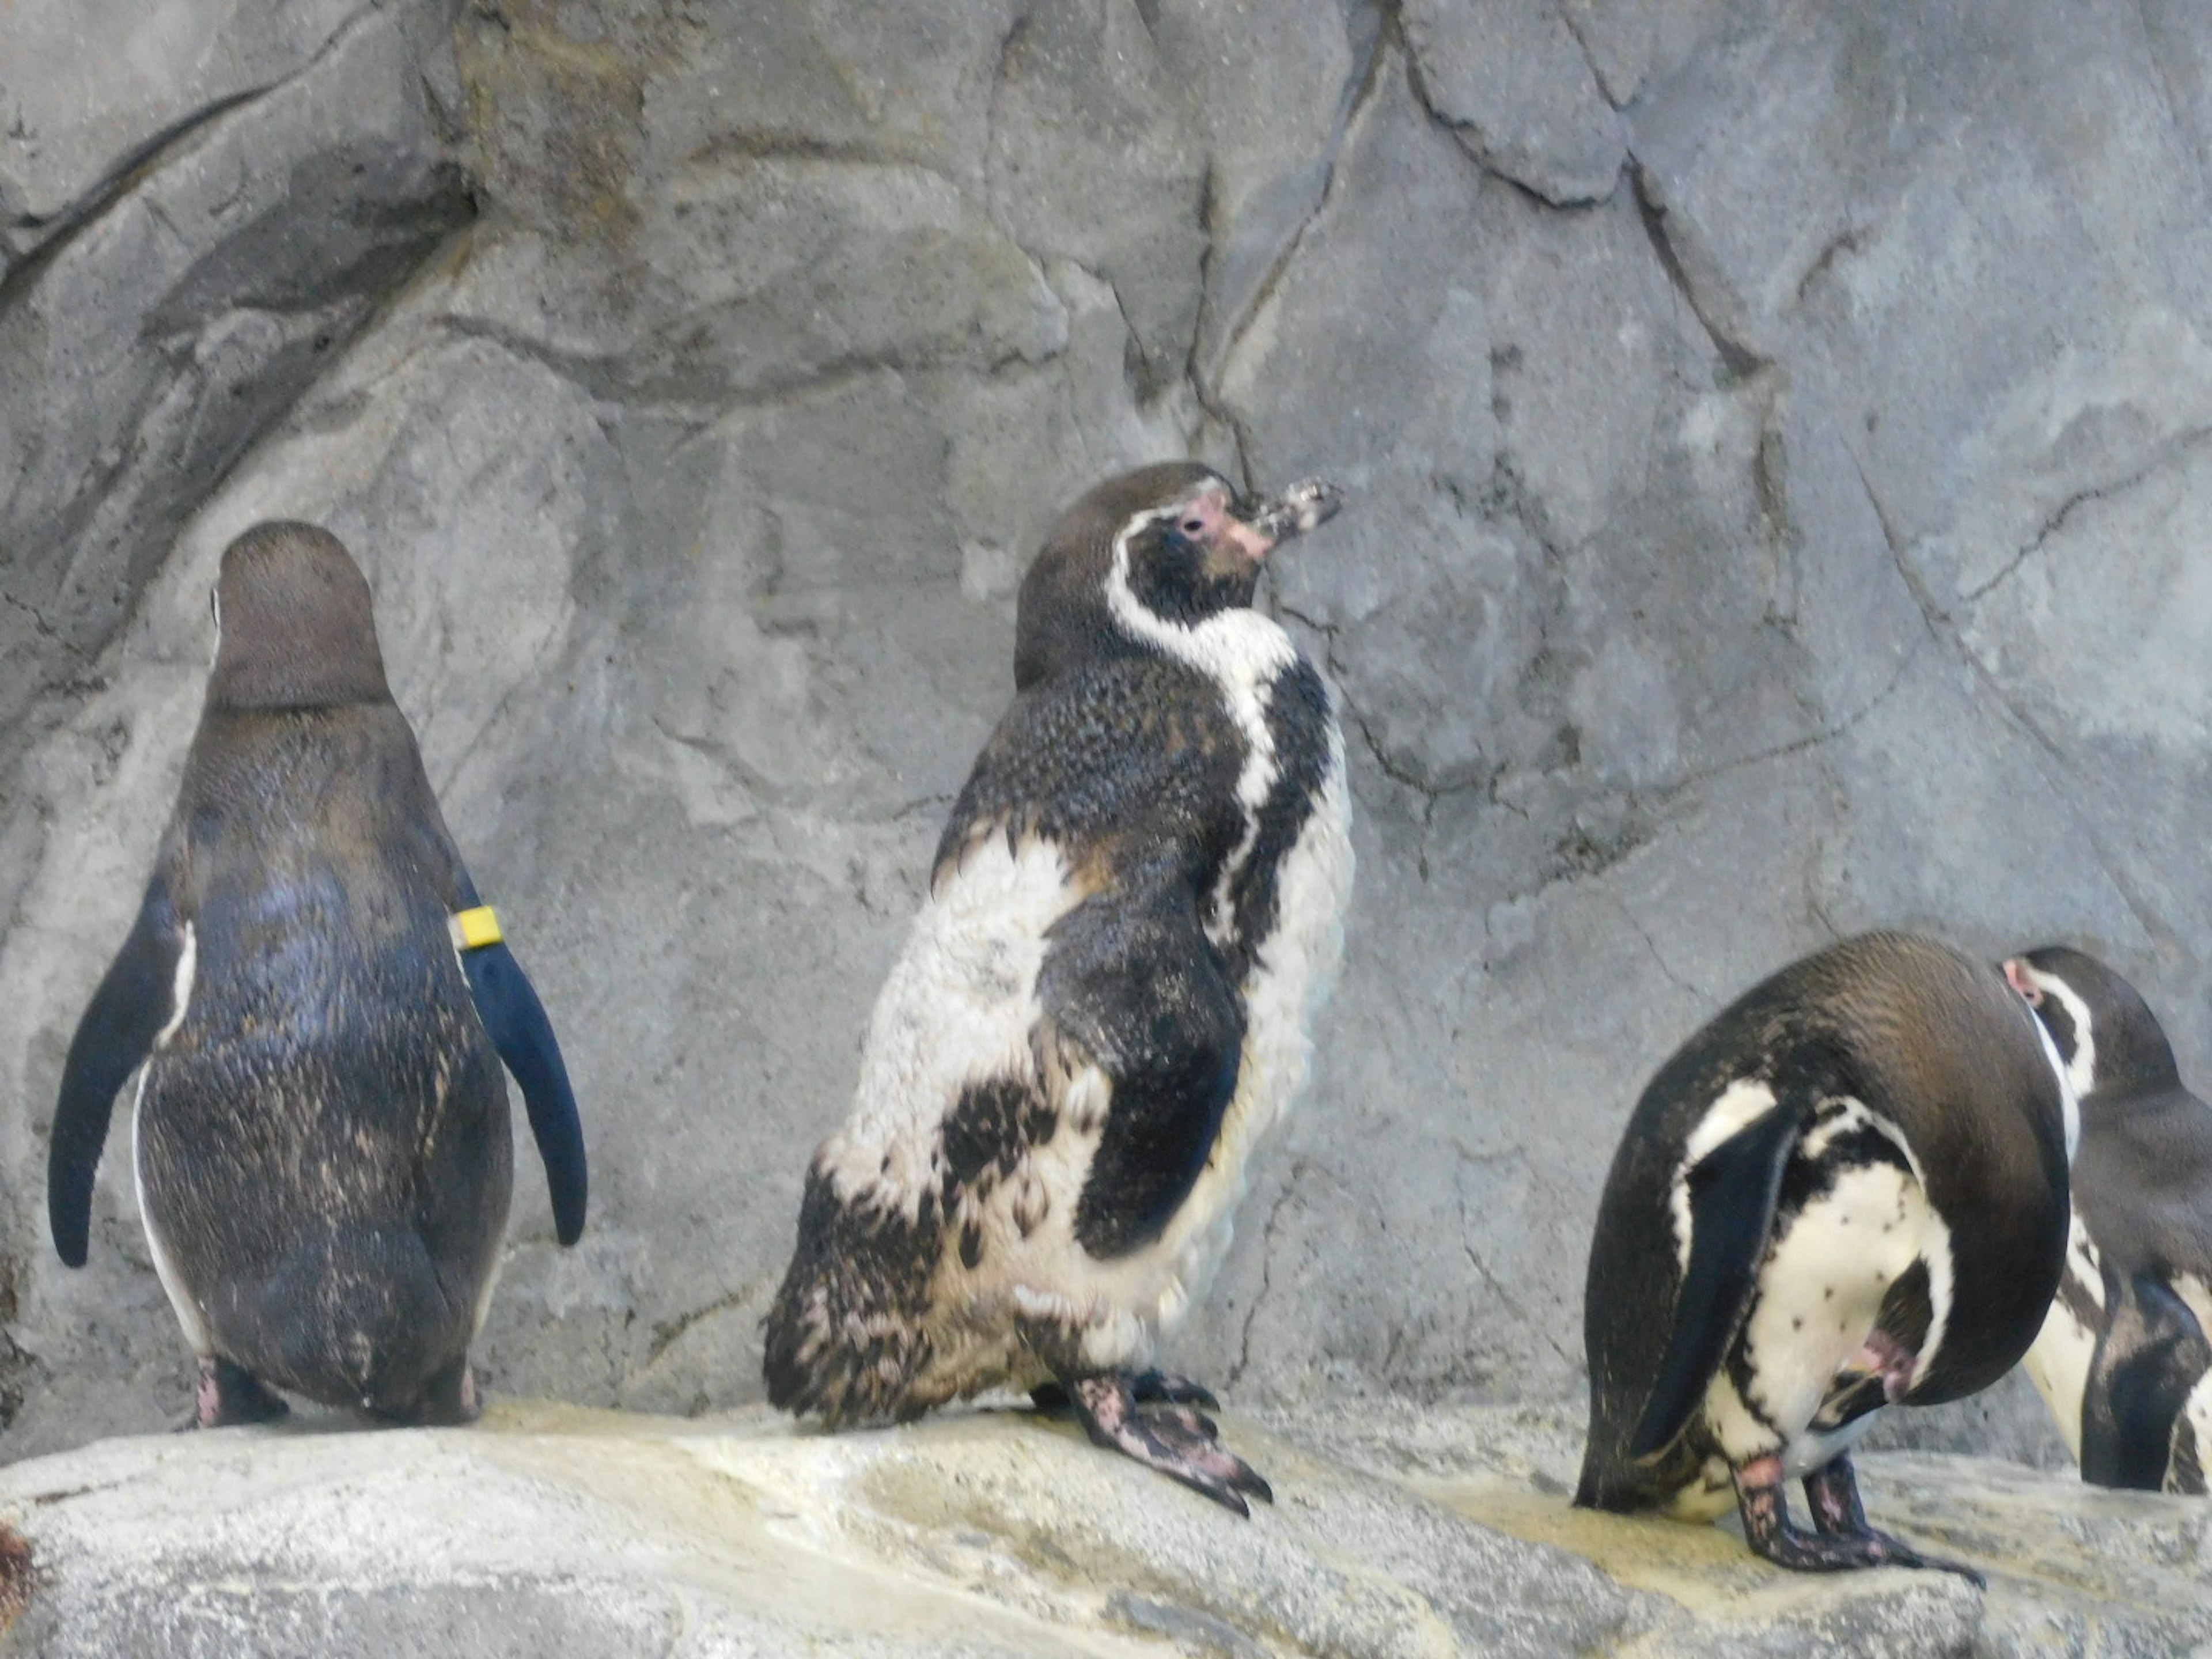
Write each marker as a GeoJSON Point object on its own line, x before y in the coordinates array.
{"type": "Point", "coordinates": [2124, 1359]}
{"type": "Point", "coordinates": [1102, 1007]}
{"type": "Point", "coordinates": [320, 1005]}
{"type": "Point", "coordinates": [1848, 1191]}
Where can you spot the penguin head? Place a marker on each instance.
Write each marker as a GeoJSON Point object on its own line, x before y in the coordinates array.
{"type": "Point", "coordinates": [2104, 1032]}
{"type": "Point", "coordinates": [293, 622]}
{"type": "Point", "coordinates": [1165, 547]}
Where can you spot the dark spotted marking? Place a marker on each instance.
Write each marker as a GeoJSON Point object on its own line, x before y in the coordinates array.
{"type": "Point", "coordinates": [990, 1130]}
{"type": "Point", "coordinates": [984, 1140]}
{"type": "Point", "coordinates": [856, 1295]}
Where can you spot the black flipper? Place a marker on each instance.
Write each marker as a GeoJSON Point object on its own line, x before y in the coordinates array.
{"type": "Point", "coordinates": [2149, 1355]}
{"type": "Point", "coordinates": [115, 1034]}
{"type": "Point", "coordinates": [1133, 979]}
{"type": "Point", "coordinates": [1733, 1190]}
{"type": "Point", "coordinates": [507, 1004]}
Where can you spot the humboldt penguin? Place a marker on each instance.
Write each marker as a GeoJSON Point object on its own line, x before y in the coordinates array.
{"type": "Point", "coordinates": [1848, 1191]}
{"type": "Point", "coordinates": [1101, 1008]}
{"type": "Point", "coordinates": [317, 1003]}
{"type": "Point", "coordinates": [2124, 1359]}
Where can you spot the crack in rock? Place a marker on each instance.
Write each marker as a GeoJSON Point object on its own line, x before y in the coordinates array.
{"type": "Point", "coordinates": [1741, 360]}
{"type": "Point", "coordinates": [2172, 450]}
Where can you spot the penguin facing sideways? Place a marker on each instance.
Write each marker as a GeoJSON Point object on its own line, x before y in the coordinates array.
{"type": "Point", "coordinates": [2124, 1359]}
{"type": "Point", "coordinates": [1102, 1007]}
{"type": "Point", "coordinates": [1848, 1191]}
{"type": "Point", "coordinates": [317, 1004]}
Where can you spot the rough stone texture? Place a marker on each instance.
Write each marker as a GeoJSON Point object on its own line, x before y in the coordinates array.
{"type": "Point", "coordinates": [199, 205]}
{"type": "Point", "coordinates": [1413, 1535]}
{"type": "Point", "coordinates": [1781, 443]}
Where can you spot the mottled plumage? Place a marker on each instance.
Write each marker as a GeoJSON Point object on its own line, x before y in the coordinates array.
{"type": "Point", "coordinates": [1847, 1191]}
{"type": "Point", "coordinates": [1136, 901]}
{"type": "Point", "coordinates": [320, 1131]}
{"type": "Point", "coordinates": [2125, 1358]}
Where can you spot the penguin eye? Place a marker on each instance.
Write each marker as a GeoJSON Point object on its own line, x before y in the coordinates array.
{"type": "Point", "coordinates": [2034, 995]}
{"type": "Point", "coordinates": [1193, 526]}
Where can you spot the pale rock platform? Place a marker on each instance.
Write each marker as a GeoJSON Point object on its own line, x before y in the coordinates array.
{"type": "Point", "coordinates": [1398, 1533]}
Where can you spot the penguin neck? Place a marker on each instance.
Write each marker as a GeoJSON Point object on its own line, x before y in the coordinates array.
{"type": "Point", "coordinates": [1237, 648]}
{"type": "Point", "coordinates": [2133, 1055]}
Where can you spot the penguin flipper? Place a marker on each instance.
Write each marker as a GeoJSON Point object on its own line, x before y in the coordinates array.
{"type": "Point", "coordinates": [120, 1026]}
{"type": "Point", "coordinates": [1133, 981]}
{"type": "Point", "coordinates": [1732, 1191]}
{"type": "Point", "coordinates": [507, 1004]}
{"type": "Point", "coordinates": [2148, 1356]}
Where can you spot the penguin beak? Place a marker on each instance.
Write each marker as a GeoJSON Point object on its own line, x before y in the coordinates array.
{"type": "Point", "coordinates": [1239, 534]}
{"type": "Point", "coordinates": [1269, 521]}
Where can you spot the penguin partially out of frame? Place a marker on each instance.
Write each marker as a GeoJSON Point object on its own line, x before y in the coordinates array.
{"type": "Point", "coordinates": [2125, 1358]}
{"type": "Point", "coordinates": [1101, 1008]}
{"type": "Point", "coordinates": [1848, 1191]}
{"type": "Point", "coordinates": [317, 1004]}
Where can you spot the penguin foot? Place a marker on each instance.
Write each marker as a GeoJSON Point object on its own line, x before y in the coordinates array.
{"type": "Point", "coordinates": [1173, 1438]}
{"type": "Point", "coordinates": [1145, 1388]}
{"type": "Point", "coordinates": [1843, 1543]}
{"type": "Point", "coordinates": [229, 1395]}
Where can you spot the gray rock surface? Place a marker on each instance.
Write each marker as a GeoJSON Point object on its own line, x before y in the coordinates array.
{"type": "Point", "coordinates": [199, 206]}
{"type": "Point", "coordinates": [1778, 439]}
{"type": "Point", "coordinates": [1396, 1534]}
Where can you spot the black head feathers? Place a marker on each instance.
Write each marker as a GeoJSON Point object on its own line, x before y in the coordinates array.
{"type": "Point", "coordinates": [1162, 547]}
{"type": "Point", "coordinates": [297, 627]}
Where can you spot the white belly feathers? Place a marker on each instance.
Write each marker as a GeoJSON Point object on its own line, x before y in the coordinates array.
{"type": "Point", "coordinates": [1820, 1287]}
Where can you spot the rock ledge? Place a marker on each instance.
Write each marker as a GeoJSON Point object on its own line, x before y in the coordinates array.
{"type": "Point", "coordinates": [550, 1528]}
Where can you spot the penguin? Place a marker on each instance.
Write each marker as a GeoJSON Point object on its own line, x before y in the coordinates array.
{"type": "Point", "coordinates": [1135, 906]}
{"type": "Point", "coordinates": [1848, 1191]}
{"type": "Point", "coordinates": [317, 1003]}
{"type": "Point", "coordinates": [2125, 1357]}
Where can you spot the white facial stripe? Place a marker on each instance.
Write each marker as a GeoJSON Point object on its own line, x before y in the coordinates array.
{"type": "Point", "coordinates": [2069, 1091]}
{"type": "Point", "coordinates": [180, 988]}
{"type": "Point", "coordinates": [2083, 1068]}
{"type": "Point", "coordinates": [1242, 651]}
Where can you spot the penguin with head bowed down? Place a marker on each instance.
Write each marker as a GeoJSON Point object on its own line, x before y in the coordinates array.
{"type": "Point", "coordinates": [1847, 1192]}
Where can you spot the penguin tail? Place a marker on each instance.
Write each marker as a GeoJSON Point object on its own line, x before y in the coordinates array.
{"type": "Point", "coordinates": [360, 1319]}
{"type": "Point", "coordinates": [847, 1335]}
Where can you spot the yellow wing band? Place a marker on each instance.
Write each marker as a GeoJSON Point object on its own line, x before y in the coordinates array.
{"type": "Point", "coordinates": [474, 929]}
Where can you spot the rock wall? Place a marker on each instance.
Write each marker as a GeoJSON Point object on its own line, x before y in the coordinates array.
{"type": "Point", "coordinates": [1779, 433]}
